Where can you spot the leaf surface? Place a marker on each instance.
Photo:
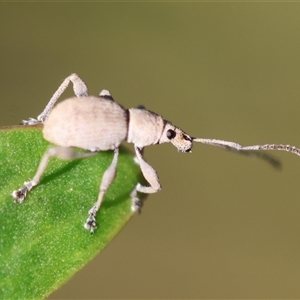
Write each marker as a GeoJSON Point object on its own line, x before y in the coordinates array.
{"type": "Point", "coordinates": [43, 241]}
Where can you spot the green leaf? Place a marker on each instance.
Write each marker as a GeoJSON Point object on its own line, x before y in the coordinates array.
{"type": "Point", "coordinates": [43, 241]}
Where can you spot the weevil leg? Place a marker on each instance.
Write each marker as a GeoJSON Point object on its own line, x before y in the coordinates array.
{"type": "Point", "coordinates": [80, 90]}
{"type": "Point", "coordinates": [107, 179]}
{"type": "Point", "coordinates": [136, 203]}
{"type": "Point", "coordinates": [106, 95]}
{"type": "Point", "coordinates": [136, 160]}
{"type": "Point", "coordinates": [150, 175]}
{"type": "Point", "coordinates": [65, 153]}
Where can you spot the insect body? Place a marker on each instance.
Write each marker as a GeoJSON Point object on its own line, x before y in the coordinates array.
{"type": "Point", "coordinates": [90, 124]}
{"type": "Point", "coordinates": [100, 124]}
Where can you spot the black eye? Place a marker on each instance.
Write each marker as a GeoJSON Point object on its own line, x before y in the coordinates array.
{"type": "Point", "coordinates": [171, 134]}
{"type": "Point", "coordinates": [187, 138]}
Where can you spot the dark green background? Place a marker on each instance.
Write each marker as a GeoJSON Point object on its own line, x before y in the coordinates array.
{"type": "Point", "coordinates": [224, 225]}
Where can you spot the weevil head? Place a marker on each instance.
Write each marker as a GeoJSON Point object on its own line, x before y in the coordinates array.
{"type": "Point", "coordinates": [182, 141]}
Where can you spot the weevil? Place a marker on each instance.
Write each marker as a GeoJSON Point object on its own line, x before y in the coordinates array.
{"type": "Point", "coordinates": [98, 123]}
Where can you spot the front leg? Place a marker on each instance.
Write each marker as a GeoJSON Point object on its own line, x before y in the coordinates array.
{"type": "Point", "coordinates": [150, 175]}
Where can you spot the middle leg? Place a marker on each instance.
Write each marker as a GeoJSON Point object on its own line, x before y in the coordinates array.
{"type": "Point", "coordinates": [107, 179]}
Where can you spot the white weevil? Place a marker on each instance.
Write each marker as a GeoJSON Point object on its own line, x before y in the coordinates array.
{"type": "Point", "coordinates": [100, 124]}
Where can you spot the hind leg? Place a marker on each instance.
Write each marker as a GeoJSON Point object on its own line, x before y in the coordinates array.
{"type": "Point", "coordinates": [65, 153]}
{"type": "Point", "coordinates": [80, 90]}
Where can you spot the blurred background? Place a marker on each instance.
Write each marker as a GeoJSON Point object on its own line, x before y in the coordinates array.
{"type": "Point", "coordinates": [224, 225]}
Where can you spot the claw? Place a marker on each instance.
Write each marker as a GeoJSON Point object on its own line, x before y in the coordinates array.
{"type": "Point", "coordinates": [31, 121]}
{"type": "Point", "coordinates": [20, 194]}
{"type": "Point", "coordinates": [90, 223]}
{"type": "Point", "coordinates": [137, 205]}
